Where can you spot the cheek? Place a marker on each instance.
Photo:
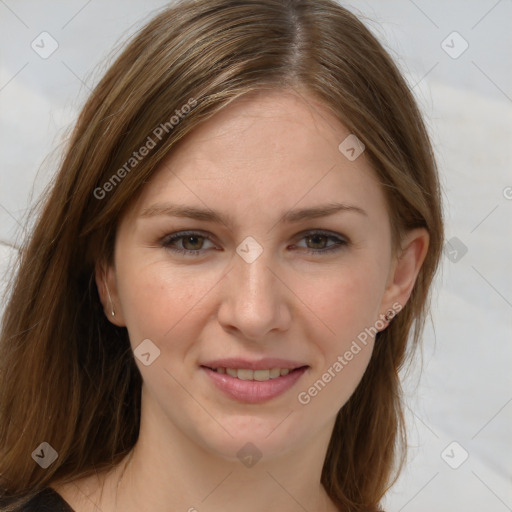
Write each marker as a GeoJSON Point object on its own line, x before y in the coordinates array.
{"type": "Point", "coordinates": [157, 300]}
{"type": "Point", "coordinates": [347, 305]}
{"type": "Point", "coordinates": [346, 300]}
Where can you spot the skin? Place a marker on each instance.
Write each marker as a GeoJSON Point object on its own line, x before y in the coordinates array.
{"type": "Point", "coordinates": [265, 154]}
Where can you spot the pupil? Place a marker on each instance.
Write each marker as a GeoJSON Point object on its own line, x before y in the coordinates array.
{"type": "Point", "coordinates": [188, 239]}
{"type": "Point", "coordinates": [316, 237]}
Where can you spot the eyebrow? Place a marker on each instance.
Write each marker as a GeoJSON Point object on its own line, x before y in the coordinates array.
{"type": "Point", "coordinates": [205, 214]}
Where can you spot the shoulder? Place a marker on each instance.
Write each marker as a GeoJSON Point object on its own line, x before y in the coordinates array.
{"type": "Point", "coordinates": [46, 500]}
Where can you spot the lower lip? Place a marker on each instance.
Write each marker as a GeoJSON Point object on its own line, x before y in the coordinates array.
{"type": "Point", "coordinates": [254, 391]}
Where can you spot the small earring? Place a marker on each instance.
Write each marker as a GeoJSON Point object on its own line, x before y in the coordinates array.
{"type": "Point", "coordinates": [111, 303]}
{"type": "Point", "coordinates": [390, 314]}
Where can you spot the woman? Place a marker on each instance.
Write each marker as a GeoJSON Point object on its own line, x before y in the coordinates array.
{"type": "Point", "coordinates": [218, 292]}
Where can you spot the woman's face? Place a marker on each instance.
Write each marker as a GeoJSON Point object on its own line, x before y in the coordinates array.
{"type": "Point", "coordinates": [258, 245]}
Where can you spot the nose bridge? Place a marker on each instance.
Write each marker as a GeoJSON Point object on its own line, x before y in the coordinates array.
{"type": "Point", "coordinates": [253, 302]}
{"type": "Point", "coordinates": [251, 268]}
{"type": "Point", "coordinates": [256, 280]}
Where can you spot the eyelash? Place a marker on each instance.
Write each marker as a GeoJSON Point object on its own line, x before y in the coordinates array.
{"type": "Point", "coordinates": [168, 240]}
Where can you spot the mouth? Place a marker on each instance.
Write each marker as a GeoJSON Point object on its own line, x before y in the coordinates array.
{"type": "Point", "coordinates": [253, 382]}
{"type": "Point", "coordinates": [259, 375]}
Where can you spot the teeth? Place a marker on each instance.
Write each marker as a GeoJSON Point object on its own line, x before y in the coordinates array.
{"type": "Point", "coordinates": [259, 375]}
{"type": "Point", "coordinates": [275, 372]}
{"type": "Point", "coordinates": [245, 374]}
{"type": "Point", "coordinates": [231, 372]}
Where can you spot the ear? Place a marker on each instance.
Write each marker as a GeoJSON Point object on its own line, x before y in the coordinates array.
{"type": "Point", "coordinates": [107, 290]}
{"type": "Point", "coordinates": [404, 271]}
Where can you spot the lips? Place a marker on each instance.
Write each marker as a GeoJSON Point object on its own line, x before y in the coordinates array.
{"type": "Point", "coordinates": [262, 364]}
{"type": "Point", "coordinates": [247, 374]}
{"type": "Point", "coordinates": [253, 381]}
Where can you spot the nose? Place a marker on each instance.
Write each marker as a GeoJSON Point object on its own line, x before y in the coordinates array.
{"type": "Point", "coordinates": [254, 299]}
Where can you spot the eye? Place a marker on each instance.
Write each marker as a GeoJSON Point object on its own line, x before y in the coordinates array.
{"type": "Point", "coordinates": [319, 239]}
{"type": "Point", "coordinates": [192, 242]}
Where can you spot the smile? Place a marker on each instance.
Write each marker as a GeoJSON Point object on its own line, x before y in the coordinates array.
{"type": "Point", "coordinates": [248, 374]}
{"type": "Point", "coordinates": [253, 386]}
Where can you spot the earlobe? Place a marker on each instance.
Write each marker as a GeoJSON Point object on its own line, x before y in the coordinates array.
{"type": "Point", "coordinates": [107, 290]}
{"type": "Point", "coordinates": [413, 250]}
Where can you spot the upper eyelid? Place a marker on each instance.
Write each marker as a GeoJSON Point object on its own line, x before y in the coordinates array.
{"type": "Point", "coordinates": [178, 235]}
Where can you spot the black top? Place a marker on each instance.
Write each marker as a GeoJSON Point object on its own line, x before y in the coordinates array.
{"type": "Point", "coordinates": [47, 500]}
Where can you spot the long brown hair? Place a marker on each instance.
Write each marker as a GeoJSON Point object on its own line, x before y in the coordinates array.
{"type": "Point", "coordinates": [68, 375]}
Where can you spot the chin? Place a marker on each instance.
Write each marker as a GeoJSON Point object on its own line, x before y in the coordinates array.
{"type": "Point", "coordinates": [254, 436]}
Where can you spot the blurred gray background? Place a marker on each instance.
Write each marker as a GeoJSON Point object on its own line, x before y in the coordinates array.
{"type": "Point", "coordinates": [457, 56]}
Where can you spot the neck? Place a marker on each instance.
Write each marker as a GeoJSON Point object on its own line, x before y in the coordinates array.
{"type": "Point", "coordinates": [163, 480]}
{"type": "Point", "coordinates": [169, 470]}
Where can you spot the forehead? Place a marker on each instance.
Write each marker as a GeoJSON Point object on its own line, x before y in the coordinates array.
{"type": "Point", "coordinates": [265, 150]}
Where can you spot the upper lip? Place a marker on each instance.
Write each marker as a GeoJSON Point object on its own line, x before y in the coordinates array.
{"type": "Point", "coordinates": [261, 364]}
